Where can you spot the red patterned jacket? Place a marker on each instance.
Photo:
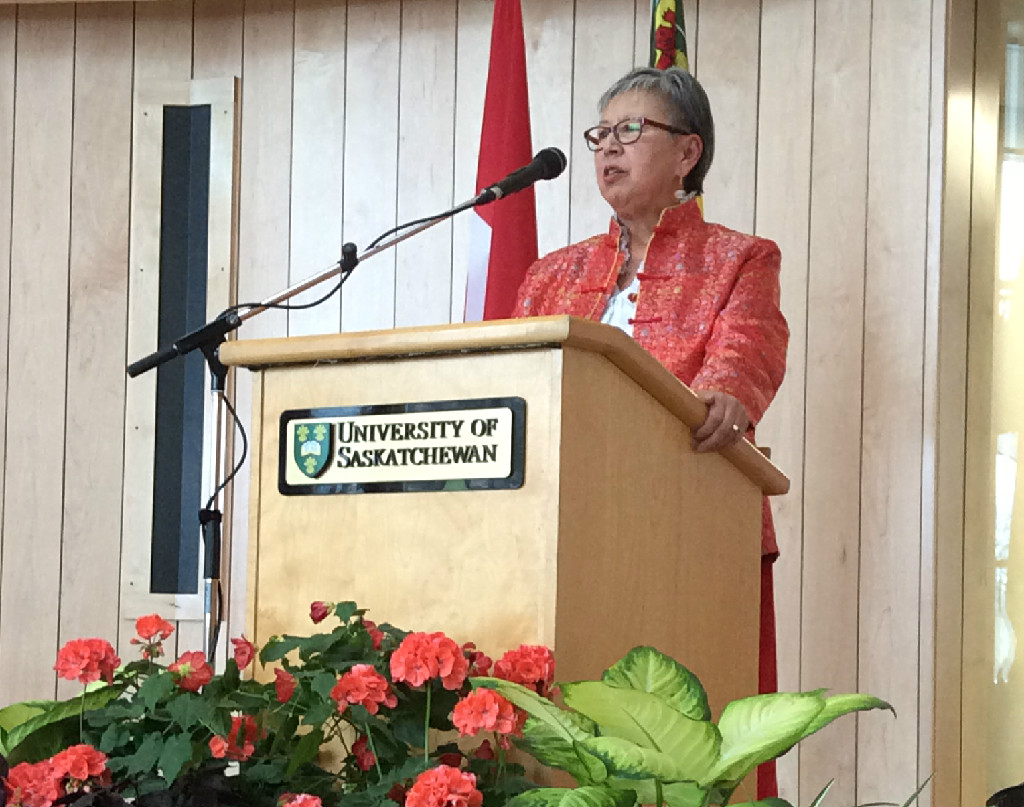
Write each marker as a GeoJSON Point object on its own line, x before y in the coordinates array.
{"type": "Point", "coordinates": [707, 309]}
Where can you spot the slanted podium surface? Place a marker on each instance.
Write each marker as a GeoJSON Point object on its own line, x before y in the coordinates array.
{"type": "Point", "coordinates": [618, 535]}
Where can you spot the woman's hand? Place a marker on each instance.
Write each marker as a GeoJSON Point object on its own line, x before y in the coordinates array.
{"type": "Point", "coordinates": [725, 423]}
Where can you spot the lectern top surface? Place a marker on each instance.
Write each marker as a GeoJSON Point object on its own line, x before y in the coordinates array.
{"type": "Point", "coordinates": [555, 332]}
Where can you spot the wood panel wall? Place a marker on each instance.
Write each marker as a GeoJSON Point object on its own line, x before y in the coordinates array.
{"type": "Point", "coordinates": [357, 115]}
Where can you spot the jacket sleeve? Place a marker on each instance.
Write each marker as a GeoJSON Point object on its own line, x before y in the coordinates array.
{"type": "Point", "coordinates": [531, 290]}
{"type": "Point", "coordinates": [538, 294]}
{"type": "Point", "coordinates": [746, 354]}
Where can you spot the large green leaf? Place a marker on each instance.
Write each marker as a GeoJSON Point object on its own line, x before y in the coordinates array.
{"type": "Point", "coordinates": [554, 730]}
{"type": "Point", "coordinates": [18, 713]}
{"type": "Point", "coordinates": [155, 688]}
{"type": "Point", "coordinates": [58, 711]}
{"type": "Point", "coordinates": [674, 794]}
{"type": "Point", "coordinates": [569, 727]}
{"type": "Point", "coordinates": [177, 751]}
{"type": "Point", "coordinates": [574, 797]}
{"type": "Point", "coordinates": [647, 721]}
{"type": "Point", "coordinates": [649, 670]}
{"type": "Point", "coordinates": [760, 728]}
{"type": "Point", "coordinates": [188, 710]}
{"type": "Point", "coordinates": [839, 705]}
{"type": "Point", "coordinates": [305, 751]}
{"type": "Point", "coordinates": [549, 747]}
{"type": "Point", "coordinates": [632, 761]}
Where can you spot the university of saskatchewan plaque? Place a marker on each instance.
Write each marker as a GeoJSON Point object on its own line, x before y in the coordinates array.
{"type": "Point", "coordinates": [474, 444]}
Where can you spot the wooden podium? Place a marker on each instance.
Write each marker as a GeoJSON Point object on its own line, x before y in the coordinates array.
{"type": "Point", "coordinates": [619, 535]}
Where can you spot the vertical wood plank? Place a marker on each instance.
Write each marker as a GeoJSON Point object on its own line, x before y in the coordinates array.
{"type": "Point", "coordinates": [472, 59]}
{"type": "Point", "coordinates": [641, 32]}
{"type": "Point", "coordinates": [318, 135]}
{"type": "Point", "coordinates": [217, 53]}
{"type": "Point", "coordinates": [833, 383]}
{"type": "Point", "coordinates": [729, 36]}
{"type": "Point", "coordinates": [30, 587]}
{"type": "Point", "coordinates": [371, 180]}
{"type": "Point", "coordinates": [893, 439]}
{"type": "Point", "coordinates": [691, 13]}
{"type": "Point", "coordinates": [956, 125]}
{"type": "Point", "coordinates": [783, 196]}
{"type": "Point", "coordinates": [548, 29]}
{"type": "Point", "coordinates": [101, 154]}
{"type": "Point", "coordinates": [934, 378]}
{"type": "Point", "coordinates": [602, 53]}
{"type": "Point", "coordinates": [266, 159]}
{"type": "Point", "coordinates": [217, 38]}
{"type": "Point", "coordinates": [426, 124]}
{"type": "Point", "coordinates": [163, 41]}
{"type": "Point", "coordinates": [264, 204]}
{"type": "Point", "coordinates": [8, 40]}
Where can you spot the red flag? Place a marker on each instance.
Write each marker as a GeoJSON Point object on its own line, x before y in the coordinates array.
{"type": "Point", "coordinates": [503, 241]}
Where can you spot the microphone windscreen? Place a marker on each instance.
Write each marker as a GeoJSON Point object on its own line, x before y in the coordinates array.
{"type": "Point", "coordinates": [552, 160]}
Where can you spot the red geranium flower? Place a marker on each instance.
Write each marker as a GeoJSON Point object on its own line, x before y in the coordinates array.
{"type": "Point", "coordinates": [479, 662]}
{"type": "Point", "coordinates": [236, 748]}
{"type": "Point", "coordinates": [397, 793]}
{"type": "Point", "coordinates": [80, 762]}
{"type": "Point", "coordinates": [87, 660]}
{"type": "Point", "coordinates": [300, 800]}
{"type": "Point", "coordinates": [531, 665]}
{"type": "Point", "coordinates": [484, 710]}
{"type": "Point", "coordinates": [422, 656]}
{"type": "Point", "coordinates": [152, 629]}
{"type": "Point", "coordinates": [191, 671]}
{"type": "Point", "coordinates": [245, 652]}
{"type": "Point", "coordinates": [484, 751]}
{"type": "Point", "coordinates": [364, 685]}
{"type": "Point", "coordinates": [218, 746]}
{"type": "Point", "coordinates": [375, 634]}
{"type": "Point", "coordinates": [152, 625]}
{"type": "Point", "coordinates": [364, 756]}
{"type": "Point", "coordinates": [33, 785]}
{"type": "Point", "coordinates": [284, 684]}
{"type": "Point", "coordinates": [444, 786]}
{"type": "Point", "coordinates": [319, 611]}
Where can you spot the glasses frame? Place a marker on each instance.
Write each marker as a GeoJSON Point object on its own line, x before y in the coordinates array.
{"type": "Point", "coordinates": [596, 145]}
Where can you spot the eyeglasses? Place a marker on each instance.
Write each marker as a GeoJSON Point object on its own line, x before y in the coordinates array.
{"type": "Point", "coordinates": [625, 131]}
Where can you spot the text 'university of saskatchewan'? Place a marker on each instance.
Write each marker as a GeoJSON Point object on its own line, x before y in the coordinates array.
{"type": "Point", "coordinates": [440, 441]}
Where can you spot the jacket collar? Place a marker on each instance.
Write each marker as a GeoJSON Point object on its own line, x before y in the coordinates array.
{"type": "Point", "coordinates": [674, 221]}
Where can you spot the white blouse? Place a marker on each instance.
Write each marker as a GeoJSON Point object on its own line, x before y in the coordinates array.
{"type": "Point", "coordinates": [622, 307]}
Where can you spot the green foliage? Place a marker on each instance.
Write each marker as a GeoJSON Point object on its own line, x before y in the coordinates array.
{"type": "Point", "coordinates": [160, 738]}
{"type": "Point", "coordinates": [643, 734]}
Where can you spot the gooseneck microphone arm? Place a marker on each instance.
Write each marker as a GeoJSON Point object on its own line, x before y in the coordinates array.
{"type": "Point", "coordinates": [548, 164]}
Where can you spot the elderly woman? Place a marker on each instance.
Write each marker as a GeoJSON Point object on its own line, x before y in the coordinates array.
{"type": "Point", "coordinates": [703, 299]}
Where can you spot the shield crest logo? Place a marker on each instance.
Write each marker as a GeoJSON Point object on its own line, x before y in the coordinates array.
{"type": "Point", "coordinates": [311, 445]}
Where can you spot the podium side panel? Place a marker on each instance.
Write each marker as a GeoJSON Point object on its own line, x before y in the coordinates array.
{"type": "Point", "coordinates": [658, 545]}
{"type": "Point", "coordinates": [257, 458]}
{"type": "Point", "coordinates": [479, 565]}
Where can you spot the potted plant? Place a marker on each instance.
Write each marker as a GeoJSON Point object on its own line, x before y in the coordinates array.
{"type": "Point", "coordinates": [363, 715]}
{"type": "Point", "coordinates": [643, 734]}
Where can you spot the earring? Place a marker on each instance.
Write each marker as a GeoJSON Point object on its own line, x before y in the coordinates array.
{"type": "Point", "coordinates": [681, 195]}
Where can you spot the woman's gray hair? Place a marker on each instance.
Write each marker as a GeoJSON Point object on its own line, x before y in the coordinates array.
{"type": "Point", "coordinates": [688, 108]}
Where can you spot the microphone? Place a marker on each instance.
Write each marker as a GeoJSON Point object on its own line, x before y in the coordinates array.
{"type": "Point", "coordinates": [547, 164]}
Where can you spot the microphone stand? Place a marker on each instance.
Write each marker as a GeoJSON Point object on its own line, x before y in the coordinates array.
{"type": "Point", "coordinates": [208, 340]}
